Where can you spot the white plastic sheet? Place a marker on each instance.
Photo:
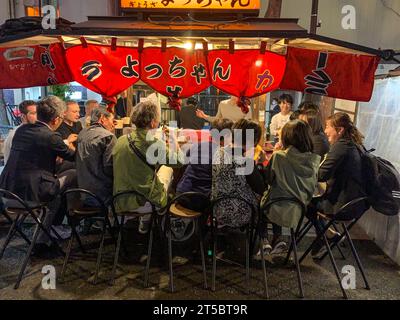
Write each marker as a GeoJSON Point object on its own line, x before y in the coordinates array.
{"type": "Point", "coordinates": [379, 121]}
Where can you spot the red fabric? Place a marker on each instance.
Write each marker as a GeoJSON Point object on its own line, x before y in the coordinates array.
{"type": "Point", "coordinates": [338, 75]}
{"type": "Point", "coordinates": [176, 72]}
{"type": "Point", "coordinates": [25, 67]}
{"type": "Point", "coordinates": [246, 73]}
{"type": "Point", "coordinates": [103, 70]}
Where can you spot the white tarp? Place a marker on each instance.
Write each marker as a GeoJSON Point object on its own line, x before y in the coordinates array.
{"type": "Point", "coordinates": [379, 121]}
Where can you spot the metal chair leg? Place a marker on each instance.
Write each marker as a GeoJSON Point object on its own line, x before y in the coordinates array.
{"type": "Point", "coordinates": [355, 254]}
{"type": "Point", "coordinates": [19, 230]}
{"type": "Point", "coordinates": [299, 278]}
{"type": "Point", "coordinates": [214, 258]}
{"type": "Point", "coordinates": [117, 252]}
{"type": "Point", "coordinates": [264, 270]}
{"type": "Point", "coordinates": [317, 238]}
{"type": "Point", "coordinates": [10, 235]}
{"type": "Point", "coordinates": [110, 228]}
{"type": "Point", "coordinates": [248, 244]}
{"type": "Point", "coordinates": [69, 248]}
{"type": "Point", "coordinates": [28, 254]}
{"type": "Point", "coordinates": [78, 239]}
{"type": "Point", "coordinates": [99, 254]}
{"type": "Point", "coordinates": [334, 265]}
{"type": "Point", "coordinates": [171, 275]}
{"type": "Point", "coordinates": [203, 258]}
{"type": "Point", "coordinates": [149, 251]}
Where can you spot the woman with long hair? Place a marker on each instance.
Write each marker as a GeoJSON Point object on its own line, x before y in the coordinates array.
{"type": "Point", "coordinates": [319, 138]}
{"type": "Point", "coordinates": [341, 170]}
{"type": "Point", "coordinates": [292, 173]}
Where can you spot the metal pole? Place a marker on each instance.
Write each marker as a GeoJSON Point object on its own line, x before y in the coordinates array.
{"type": "Point", "coordinates": [314, 17]}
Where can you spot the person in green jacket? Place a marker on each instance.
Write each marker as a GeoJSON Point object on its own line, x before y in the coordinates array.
{"type": "Point", "coordinates": [149, 173]}
{"type": "Point", "coordinates": [291, 172]}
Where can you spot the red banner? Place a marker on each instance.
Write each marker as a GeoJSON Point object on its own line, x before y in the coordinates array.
{"type": "Point", "coordinates": [338, 75]}
{"type": "Point", "coordinates": [246, 73]}
{"type": "Point", "coordinates": [24, 67]}
{"type": "Point", "coordinates": [103, 69]}
{"type": "Point", "coordinates": [174, 72]}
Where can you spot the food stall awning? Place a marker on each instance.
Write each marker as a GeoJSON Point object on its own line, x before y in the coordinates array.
{"type": "Point", "coordinates": [247, 33]}
{"type": "Point", "coordinates": [269, 53]}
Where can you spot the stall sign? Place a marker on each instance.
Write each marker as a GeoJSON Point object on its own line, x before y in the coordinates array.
{"type": "Point", "coordinates": [33, 66]}
{"type": "Point", "coordinates": [246, 73]}
{"type": "Point", "coordinates": [175, 72]}
{"type": "Point", "coordinates": [103, 69]}
{"type": "Point", "coordinates": [338, 75]}
{"type": "Point", "coordinates": [191, 4]}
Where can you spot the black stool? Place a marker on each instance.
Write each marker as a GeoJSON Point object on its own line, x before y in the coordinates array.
{"type": "Point", "coordinates": [15, 206]}
{"type": "Point", "coordinates": [75, 201]}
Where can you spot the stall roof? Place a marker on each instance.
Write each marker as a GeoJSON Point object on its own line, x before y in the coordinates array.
{"type": "Point", "coordinates": [247, 33]}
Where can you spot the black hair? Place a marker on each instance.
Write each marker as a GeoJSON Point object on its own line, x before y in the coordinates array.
{"type": "Point", "coordinates": [298, 134]}
{"type": "Point", "coordinates": [24, 105]}
{"type": "Point", "coordinates": [313, 118]}
{"type": "Point", "coordinates": [245, 125]}
{"type": "Point", "coordinates": [308, 105]}
{"type": "Point", "coordinates": [192, 101]}
{"type": "Point", "coordinates": [286, 98]}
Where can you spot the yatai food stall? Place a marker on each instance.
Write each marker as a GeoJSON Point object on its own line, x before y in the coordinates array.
{"type": "Point", "coordinates": [180, 48]}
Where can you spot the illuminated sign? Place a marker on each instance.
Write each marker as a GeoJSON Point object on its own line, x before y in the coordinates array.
{"type": "Point", "coordinates": [191, 4]}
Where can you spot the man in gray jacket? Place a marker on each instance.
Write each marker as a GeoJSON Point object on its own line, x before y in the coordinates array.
{"type": "Point", "coordinates": [94, 155]}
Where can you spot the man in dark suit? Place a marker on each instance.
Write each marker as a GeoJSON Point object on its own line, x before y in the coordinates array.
{"type": "Point", "coordinates": [30, 171]}
{"type": "Point", "coordinates": [187, 118]}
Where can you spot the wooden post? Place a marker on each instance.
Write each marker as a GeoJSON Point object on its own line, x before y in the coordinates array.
{"type": "Point", "coordinates": [314, 17]}
{"type": "Point", "coordinates": [274, 9]}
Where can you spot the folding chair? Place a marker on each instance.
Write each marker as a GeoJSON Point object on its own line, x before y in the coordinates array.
{"type": "Point", "coordinates": [293, 237]}
{"type": "Point", "coordinates": [175, 209]}
{"type": "Point", "coordinates": [81, 204]}
{"type": "Point", "coordinates": [249, 236]}
{"type": "Point", "coordinates": [15, 206]}
{"type": "Point", "coordinates": [341, 217]}
{"type": "Point", "coordinates": [136, 215]}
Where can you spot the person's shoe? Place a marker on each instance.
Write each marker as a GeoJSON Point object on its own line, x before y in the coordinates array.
{"type": "Point", "coordinates": [144, 226]}
{"type": "Point", "coordinates": [317, 247]}
{"type": "Point", "coordinates": [279, 248]}
{"type": "Point", "coordinates": [267, 248]}
{"type": "Point", "coordinates": [324, 250]}
{"type": "Point", "coordinates": [63, 231]}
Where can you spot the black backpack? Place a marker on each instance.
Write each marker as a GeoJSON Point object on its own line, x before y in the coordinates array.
{"type": "Point", "coordinates": [382, 183]}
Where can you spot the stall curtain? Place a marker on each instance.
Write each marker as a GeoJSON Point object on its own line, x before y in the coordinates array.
{"type": "Point", "coordinates": [246, 73]}
{"type": "Point", "coordinates": [174, 72]}
{"type": "Point", "coordinates": [179, 73]}
{"type": "Point", "coordinates": [104, 69]}
{"type": "Point", "coordinates": [33, 66]}
{"type": "Point", "coordinates": [337, 75]}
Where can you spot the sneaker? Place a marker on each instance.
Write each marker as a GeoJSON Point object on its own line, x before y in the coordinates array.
{"type": "Point", "coordinates": [324, 250]}
{"type": "Point", "coordinates": [317, 247]}
{"type": "Point", "coordinates": [279, 248]}
{"type": "Point", "coordinates": [267, 248]}
{"type": "Point", "coordinates": [63, 231]}
{"type": "Point", "coordinates": [144, 225]}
